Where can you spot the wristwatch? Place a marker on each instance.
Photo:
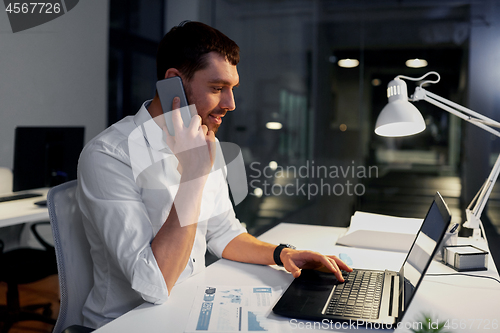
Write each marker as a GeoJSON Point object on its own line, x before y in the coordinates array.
{"type": "Point", "coordinates": [277, 252]}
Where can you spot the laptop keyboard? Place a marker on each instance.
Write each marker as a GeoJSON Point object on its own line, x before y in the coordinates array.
{"type": "Point", "coordinates": [358, 297]}
{"type": "Point", "coordinates": [19, 196]}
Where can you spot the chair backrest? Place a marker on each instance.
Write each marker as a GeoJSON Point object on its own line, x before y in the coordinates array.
{"type": "Point", "coordinates": [74, 262]}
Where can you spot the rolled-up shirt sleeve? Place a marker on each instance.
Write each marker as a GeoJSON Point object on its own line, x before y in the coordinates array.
{"type": "Point", "coordinates": [224, 226]}
{"type": "Point", "coordinates": [117, 222]}
{"type": "Point", "coordinates": [147, 279]}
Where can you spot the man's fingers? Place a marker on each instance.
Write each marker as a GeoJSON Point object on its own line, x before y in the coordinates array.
{"type": "Point", "coordinates": [330, 263]}
{"type": "Point", "coordinates": [332, 266]}
{"type": "Point", "coordinates": [177, 120]}
{"type": "Point", "coordinates": [211, 136]}
{"type": "Point", "coordinates": [315, 260]}
{"type": "Point", "coordinates": [337, 271]}
{"type": "Point", "coordinates": [176, 103]}
{"type": "Point", "coordinates": [341, 264]}
{"type": "Point", "coordinates": [204, 128]}
{"type": "Point", "coordinates": [176, 113]}
{"type": "Point", "coordinates": [195, 124]}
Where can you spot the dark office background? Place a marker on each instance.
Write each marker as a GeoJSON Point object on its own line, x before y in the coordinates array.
{"type": "Point", "coordinates": [289, 73]}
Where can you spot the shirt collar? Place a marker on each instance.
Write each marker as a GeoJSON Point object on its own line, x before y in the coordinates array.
{"type": "Point", "coordinates": [151, 131]}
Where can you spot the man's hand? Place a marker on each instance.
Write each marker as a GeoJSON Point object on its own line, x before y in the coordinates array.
{"type": "Point", "coordinates": [193, 146]}
{"type": "Point", "coordinates": [294, 261]}
{"type": "Point", "coordinates": [247, 248]}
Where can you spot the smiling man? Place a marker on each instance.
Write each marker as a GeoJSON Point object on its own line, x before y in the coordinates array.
{"type": "Point", "coordinates": [139, 247]}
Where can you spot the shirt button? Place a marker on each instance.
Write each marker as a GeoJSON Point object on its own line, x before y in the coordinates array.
{"type": "Point", "coordinates": [194, 260]}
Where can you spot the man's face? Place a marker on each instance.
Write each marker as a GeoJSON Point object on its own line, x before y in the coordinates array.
{"type": "Point", "coordinates": [211, 90]}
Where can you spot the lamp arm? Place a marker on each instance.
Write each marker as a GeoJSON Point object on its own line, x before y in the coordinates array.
{"type": "Point", "coordinates": [484, 193]}
{"type": "Point", "coordinates": [466, 114]}
{"type": "Point", "coordinates": [474, 114]}
{"type": "Point", "coordinates": [476, 207]}
{"type": "Point", "coordinates": [494, 124]}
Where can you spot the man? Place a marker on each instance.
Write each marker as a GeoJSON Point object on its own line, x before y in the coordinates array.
{"type": "Point", "coordinates": [150, 231]}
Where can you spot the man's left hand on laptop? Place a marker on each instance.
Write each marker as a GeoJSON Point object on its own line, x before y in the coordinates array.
{"type": "Point", "coordinates": [295, 260]}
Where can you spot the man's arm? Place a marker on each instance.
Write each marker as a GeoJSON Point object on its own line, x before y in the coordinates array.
{"type": "Point", "coordinates": [173, 243]}
{"type": "Point", "coordinates": [246, 248]}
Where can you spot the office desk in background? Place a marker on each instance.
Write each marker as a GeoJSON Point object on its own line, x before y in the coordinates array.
{"type": "Point", "coordinates": [457, 298]}
{"type": "Point", "coordinates": [24, 210]}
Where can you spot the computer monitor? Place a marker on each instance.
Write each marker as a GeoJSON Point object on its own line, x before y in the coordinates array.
{"type": "Point", "coordinates": [46, 156]}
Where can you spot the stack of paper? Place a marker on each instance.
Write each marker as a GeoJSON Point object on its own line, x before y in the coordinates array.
{"type": "Point", "coordinates": [381, 232]}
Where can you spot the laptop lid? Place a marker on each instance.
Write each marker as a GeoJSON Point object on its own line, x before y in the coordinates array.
{"type": "Point", "coordinates": [425, 246]}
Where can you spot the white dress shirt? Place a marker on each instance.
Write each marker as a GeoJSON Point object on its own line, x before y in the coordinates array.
{"type": "Point", "coordinates": [127, 180]}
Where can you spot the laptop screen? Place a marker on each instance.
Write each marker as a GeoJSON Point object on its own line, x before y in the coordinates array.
{"type": "Point", "coordinates": [423, 249]}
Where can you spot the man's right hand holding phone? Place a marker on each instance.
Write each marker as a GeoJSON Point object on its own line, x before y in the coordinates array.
{"type": "Point", "coordinates": [194, 146]}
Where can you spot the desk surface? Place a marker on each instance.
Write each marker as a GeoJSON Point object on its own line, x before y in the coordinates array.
{"type": "Point", "coordinates": [441, 296]}
{"type": "Point", "coordinates": [24, 210]}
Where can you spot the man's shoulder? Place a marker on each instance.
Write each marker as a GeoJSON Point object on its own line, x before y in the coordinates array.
{"type": "Point", "coordinates": [114, 138]}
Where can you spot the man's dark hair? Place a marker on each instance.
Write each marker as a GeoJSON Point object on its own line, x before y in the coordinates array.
{"type": "Point", "coordinates": [186, 46]}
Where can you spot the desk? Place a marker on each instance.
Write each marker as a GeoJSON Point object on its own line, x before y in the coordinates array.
{"type": "Point", "coordinates": [24, 210]}
{"type": "Point", "coordinates": [441, 296]}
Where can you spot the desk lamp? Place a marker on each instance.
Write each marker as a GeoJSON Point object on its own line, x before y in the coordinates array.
{"type": "Point", "coordinates": [401, 118]}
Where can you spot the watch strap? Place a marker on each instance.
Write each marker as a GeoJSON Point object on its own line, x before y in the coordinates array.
{"type": "Point", "coordinates": [277, 253]}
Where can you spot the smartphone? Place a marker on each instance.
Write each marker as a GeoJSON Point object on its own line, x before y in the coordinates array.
{"type": "Point", "coordinates": [168, 89]}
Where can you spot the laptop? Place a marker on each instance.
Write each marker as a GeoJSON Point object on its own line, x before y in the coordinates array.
{"type": "Point", "coordinates": [369, 296]}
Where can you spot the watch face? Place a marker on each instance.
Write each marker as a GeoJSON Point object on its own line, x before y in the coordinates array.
{"type": "Point", "coordinates": [289, 246]}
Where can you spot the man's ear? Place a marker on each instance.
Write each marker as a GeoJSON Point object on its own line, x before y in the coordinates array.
{"type": "Point", "coordinates": [171, 72]}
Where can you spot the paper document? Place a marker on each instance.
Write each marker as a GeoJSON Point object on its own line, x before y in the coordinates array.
{"type": "Point", "coordinates": [381, 232]}
{"type": "Point", "coordinates": [234, 309]}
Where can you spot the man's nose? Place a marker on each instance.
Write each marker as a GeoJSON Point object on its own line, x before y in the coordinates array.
{"type": "Point", "coordinates": [227, 102]}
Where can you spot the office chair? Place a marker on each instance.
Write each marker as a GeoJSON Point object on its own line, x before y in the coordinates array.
{"type": "Point", "coordinates": [73, 257]}
{"type": "Point", "coordinates": [20, 266]}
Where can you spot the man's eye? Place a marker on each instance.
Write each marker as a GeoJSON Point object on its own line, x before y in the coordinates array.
{"type": "Point", "coordinates": [217, 89]}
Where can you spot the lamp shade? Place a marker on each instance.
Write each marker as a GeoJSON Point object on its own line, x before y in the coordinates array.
{"type": "Point", "coordinates": [399, 117]}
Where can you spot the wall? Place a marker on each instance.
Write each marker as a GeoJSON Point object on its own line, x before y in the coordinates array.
{"type": "Point", "coordinates": [177, 11]}
{"type": "Point", "coordinates": [54, 74]}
